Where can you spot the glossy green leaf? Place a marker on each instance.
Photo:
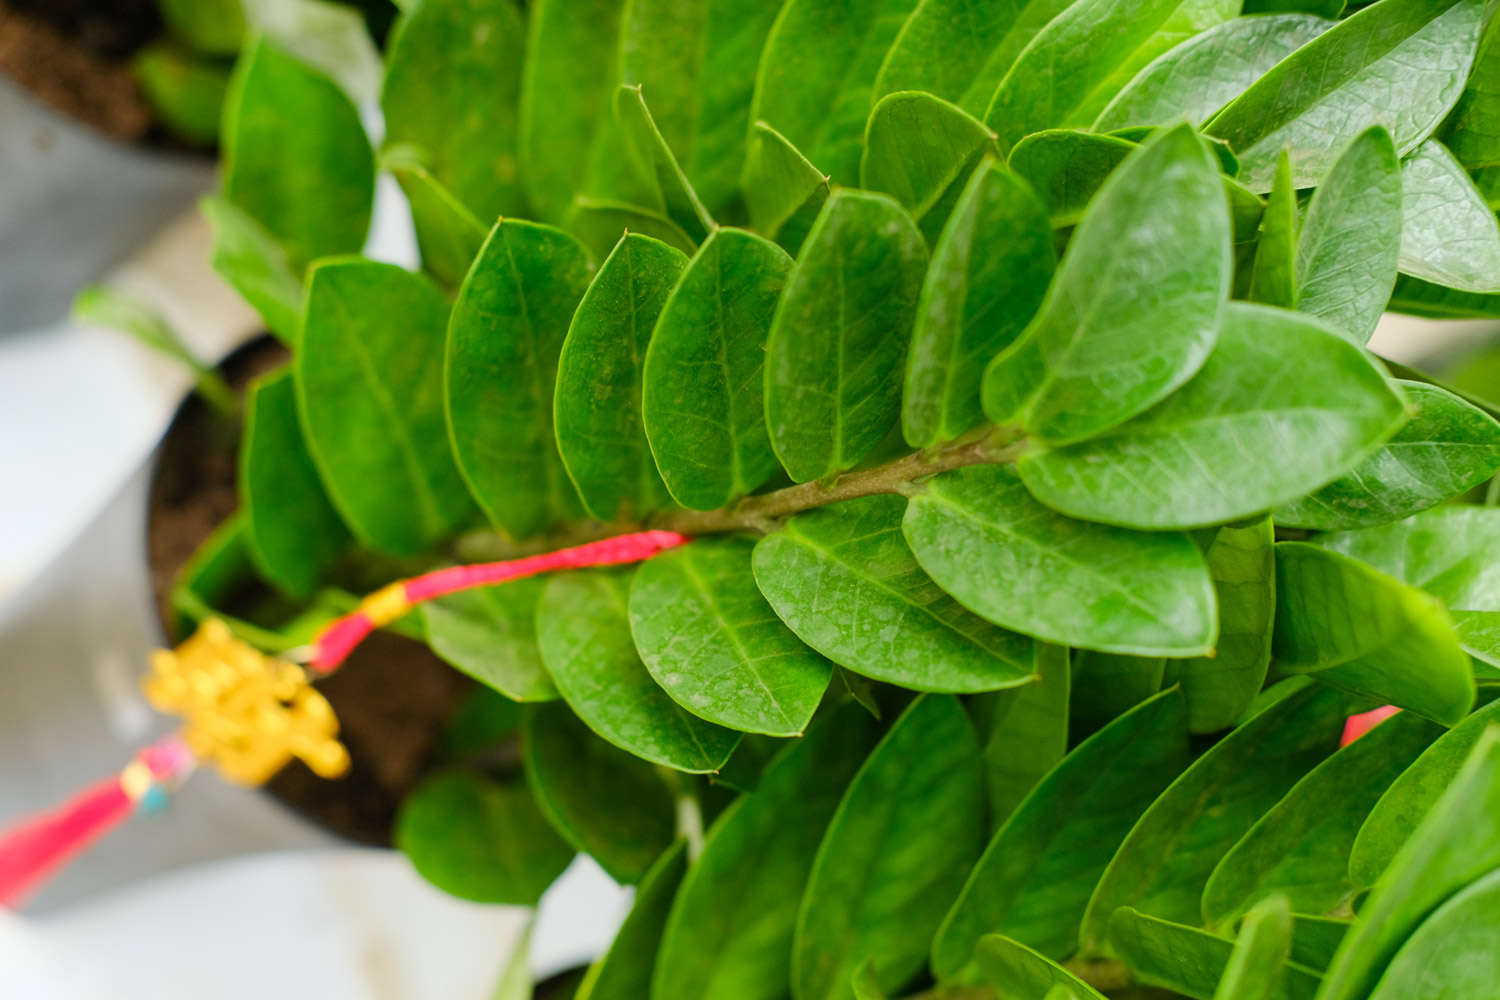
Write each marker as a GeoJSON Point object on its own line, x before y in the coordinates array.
{"type": "Point", "coordinates": [1472, 131]}
{"type": "Point", "coordinates": [1322, 8]}
{"type": "Point", "coordinates": [713, 643]}
{"type": "Point", "coordinates": [843, 579]}
{"type": "Point", "coordinates": [1085, 55]}
{"type": "Point", "coordinates": [601, 224]}
{"type": "Point", "coordinates": [1261, 950]}
{"type": "Point", "coordinates": [1361, 630]}
{"type": "Point", "coordinates": [961, 49]}
{"type": "Point", "coordinates": [479, 840]}
{"type": "Point", "coordinates": [584, 631]}
{"type": "Point", "coordinates": [989, 271]}
{"type": "Point", "coordinates": [1164, 267]}
{"type": "Point", "coordinates": [597, 403]}
{"type": "Point", "coordinates": [1448, 234]}
{"type": "Point", "coordinates": [624, 971]}
{"type": "Point", "coordinates": [1164, 863]}
{"type": "Point", "coordinates": [1066, 167]}
{"type": "Point", "coordinates": [1107, 685]}
{"type": "Point", "coordinates": [704, 406]}
{"type": "Point", "coordinates": [1035, 877]}
{"type": "Point", "coordinates": [831, 398]}
{"type": "Point", "coordinates": [982, 537]}
{"type": "Point", "coordinates": [1446, 551]}
{"type": "Point", "coordinates": [184, 89]}
{"type": "Point", "coordinates": [448, 234]}
{"type": "Point", "coordinates": [1195, 460]}
{"type": "Point", "coordinates": [605, 802]}
{"type": "Point", "coordinates": [291, 529]}
{"type": "Point", "coordinates": [919, 149]}
{"type": "Point", "coordinates": [896, 851]}
{"type": "Point", "coordinates": [1445, 449]}
{"type": "Point", "coordinates": [865, 983]}
{"type": "Point", "coordinates": [567, 85]}
{"type": "Point", "coordinates": [1315, 939]}
{"type": "Point", "coordinates": [1452, 955]}
{"type": "Point", "coordinates": [1221, 687]}
{"type": "Point", "coordinates": [369, 389]}
{"type": "Point", "coordinates": [1021, 972]}
{"type": "Point", "coordinates": [730, 932]}
{"type": "Point", "coordinates": [1273, 279]}
{"type": "Point", "coordinates": [1479, 634]}
{"type": "Point", "coordinates": [256, 266]}
{"type": "Point", "coordinates": [296, 158]}
{"type": "Point", "coordinates": [452, 83]}
{"type": "Point", "coordinates": [817, 72]}
{"type": "Point", "coordinates": [331, 37]}
{"type": "Point", "coordinates": [1300, 848]}
{"type": "Point", "coordinates": [1024, 731]}
{"type": "Point", "coordinates": [783, 191]}
{"type": "Point", "coordinates": [657, 161]}
{"type": "Point", "coordinates": [1397, 63]}
{"type": "Point", "coordinates": [1454, 846]}
{"type": "Point", "coordinates": [504, 339]}
{"type": "Point", "coordinates": [1189, 961]}
{"type": "Point", "coordinates": [1197, 78]}
{"type": "Point", "coordinates": [1412, 795]}
{"type": "Point", "coordinates": [490, 634]}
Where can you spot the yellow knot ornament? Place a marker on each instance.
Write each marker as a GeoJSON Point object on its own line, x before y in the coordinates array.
{"type": "Point", "coordinates": [247, 713]}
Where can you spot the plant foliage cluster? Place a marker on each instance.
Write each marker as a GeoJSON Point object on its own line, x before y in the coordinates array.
{"type": "Point", "coordinates": [1007, 358]}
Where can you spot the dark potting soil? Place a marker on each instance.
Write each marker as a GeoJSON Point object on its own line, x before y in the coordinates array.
{"type": "Point", "coordinates": [392, 697]}
{"type": "Point", "coordinates": [74, 55]}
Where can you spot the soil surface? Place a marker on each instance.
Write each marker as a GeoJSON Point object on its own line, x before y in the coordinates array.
{"type": "Point", "coordinates": [392, 697]}
{"type": "Point", "coordinates": [74, 55]}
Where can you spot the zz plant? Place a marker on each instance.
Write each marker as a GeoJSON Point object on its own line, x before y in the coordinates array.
{"type": "Point", "coordinates": [1007, 361]}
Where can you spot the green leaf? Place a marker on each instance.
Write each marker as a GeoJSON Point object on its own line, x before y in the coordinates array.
{"type": "Point", "coordinates": [448, 234]}
{"type": "Point", "coordinates": [1448, 234]}
{"type": "Point", "coordinates": [1164, 267]}
{"type": "Point", "coordinates": [704, 409]}
{"type": "Point", "coordinates": [1190, 961]}
{"type": "Point", "coordinates": [605, 802]}
{"type": "Point", "coordinates": [865, 983]}
{"type": "Point", "coordinates": [490, 634]}
{"type": "Point", "coordinates": [844, 581]}
{"type": "Point", "coordinates": [507, 331]}
{"type": "Point", "coordinates": [251, 260]}
{"type": "Point", "coordinates": [1447, 551]}
{"type": "Point", "coordinates": [1197, 78]}
{"type": "Point", "coordinates": [1007, 558]}
{"type": "Point", "coordinates": [696, 62]}
{"type": "Point", "coordinates": [184, 89]}
{"type": "Point", "coordinates": [1107, 685]}
{"type": "Point", "coordinates": [1195, 461]}
{"type": "Point", "coordinates": [601, 224]}
{"type": "Point", "coordinates": [1422, 298]}
{"type": "Point", "coordinates": [656, 161]}
{"type": "Point", "coordinates": [479, 840]}
{"type": "Point", "coordinates": [584, 631]}
{"type": "Point", "coordinates": [1322, 8]}
{"type": "Point", "coordinates": [896, 851]}
{"type": "Point", "coordinates": [1479, 633]}
{"type": "Point", "coordinates": [1220, 688]}
{"type": "Point", "coordinates": [1315, 939]}
{"type": "Point", "coordinates": [731, 930]}
{"type": "Point", "coordinates": [624, 971]}
{"type": "Point", "coordinates": [597, 403]}
{"type": "Point", "coordinates": [960, 49]}
{"type": "Point", "coordinates": [291, 529]}
{"type": "Point", "coordinates": [483, 720]}
{"type": "Point", "coordinates": [1453, 847]}
{"type": "Point", "coordinates": [565, 120]}
{"type": "Point", "coordinates": [989, 271]}
{"type": "Point", "coordinates": [831, 398]}
{"type": "Point", "coordinates": [1085, 55]}
{"type": "Point", "coordinates": [817, 73]}
{"type": "Point", "coordinates": [783, 191]}
{"type": "Point", "coordinates": [1035, 877]}
{"type": "Point", "coordinates": [296, 158]}
{"type": "Point", "coordinates": [1300, 848]}
{"type": "Point", "coordinates": [919, 149]}
{"type": "Point", "coordinates": [330, 36]}
{"type": "Point", "coordinates": [452, 82]}
{"type": "Point", "coordinates": [1361, 630]}
{"type": "Point", "coordinates": [713, 644]}
{"type": "Point", "coordinates": [1472, 131]}
{"type": "Point", "coordinates": [1444, 450]}
{"type": "Point", "coordinates": [1023, 973]}
{"type": "Point", "coordinates": [1412, 795]}
{"type": "Point", "coordinates": [1067, 167]}
{"type": "Point", "coordinates": [1261, 950]}
{"type": "Point", "coordinates": [214, 27]}
{"type": "Point", "coordinates": [369, 389]}
{"type": "Point", "coordinates": [1164, 863]}
{"type": "Point", "coordinates": [1024, 731]}
{"type": "Point", "coordinates": [1397, 63]}
{"type": "Point", "coordinates": [1452, 955]}
{"type": "Point", "coordinates": [1274, 278]}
